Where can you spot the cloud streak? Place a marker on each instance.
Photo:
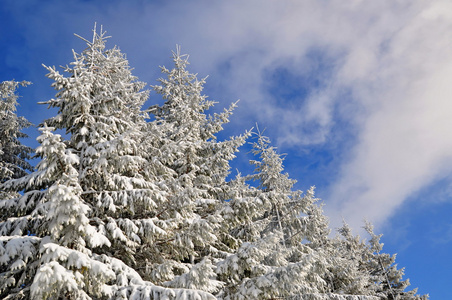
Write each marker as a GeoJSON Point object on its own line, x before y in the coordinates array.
{"type": "Point", "coordinates": [404, 143]}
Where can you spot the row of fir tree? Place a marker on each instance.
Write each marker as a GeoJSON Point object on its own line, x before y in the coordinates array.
{"type": "Point", "coordinates": [139, 204]}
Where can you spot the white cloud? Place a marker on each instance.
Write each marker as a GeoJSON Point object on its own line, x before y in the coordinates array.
{"type": "Point", "coordinates": [405, 141]}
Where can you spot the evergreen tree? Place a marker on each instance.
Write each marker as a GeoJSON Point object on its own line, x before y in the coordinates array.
{"type": "Point", "coordinates": [184, 140]}
{"type": "Point", "coordinates": [360, 268]}
{"type": "Point", "coordinates": [384, 271]}
{"type": "Point", "coordinates": [99, 107]}
{"type": "Point", "coordinates": [279, 231]}
{"type": "Point", "coordinates": [284, 204]}
{"type": "Point", "coordinates": [13, 154]}
{"type": "Point", "coordinates": [345, 274]}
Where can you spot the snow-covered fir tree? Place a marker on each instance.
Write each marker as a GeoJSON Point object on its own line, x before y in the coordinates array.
{"type": "Point", "coordinates": [13, 154]}
{"type": "Point", "coordinates": [385, 274]}
{"type": "Point", "coordinates": [279, 230]}
{"type": "Point", "coordinates": [125, 207]}
{"type": "Point", "coordinates": [345, 274]}
{"type": "Point", "coordinates": [99, 107]}
{"type": "Point", "coordinates": [360, 268]}
{"type": "Point", "coordinates": [200, 165]}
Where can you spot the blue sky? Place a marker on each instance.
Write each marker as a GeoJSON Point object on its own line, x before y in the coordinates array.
{"type": "Point", "coordinates": [357, 93]}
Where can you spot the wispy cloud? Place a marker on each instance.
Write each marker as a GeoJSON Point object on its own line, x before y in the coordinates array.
{"type": "Point", "coordinates": [404, 143]}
